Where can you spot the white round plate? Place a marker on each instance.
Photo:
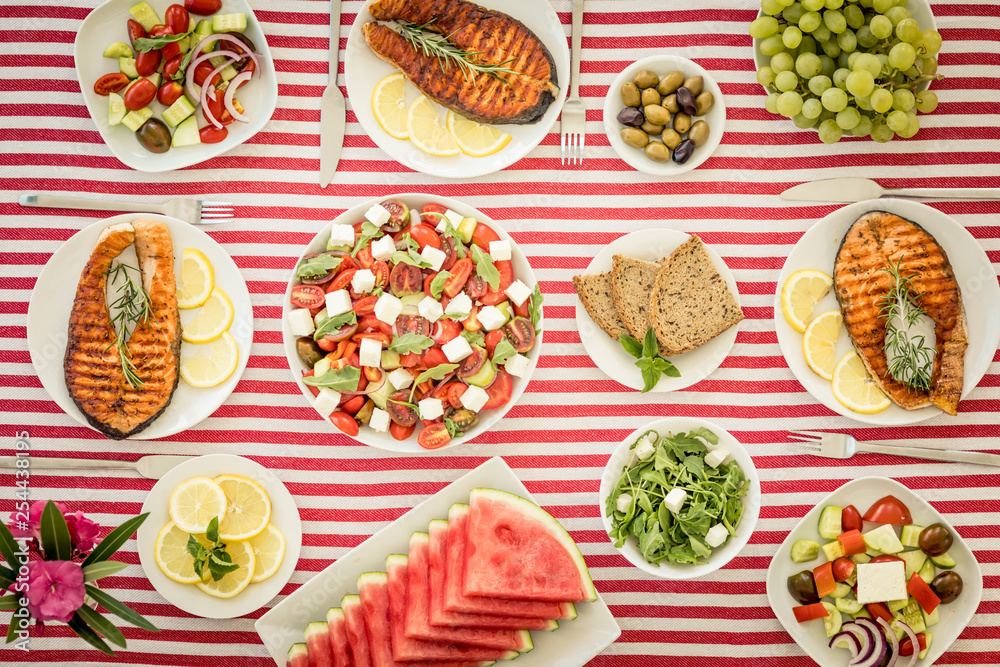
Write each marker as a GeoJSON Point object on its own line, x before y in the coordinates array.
{"type": "Point", "coordinates": [188, 597]}
{"type": "Point", "coordinates": [664, 64]}
{"type": "Point", "coordinates": [522, 272]}
{"type": "Point", "coordinates": [696, 365]}
{"type": "Point", "coordinates": [817, 249]}
{"type": "Point", "coordinates": [363, 69]}
{"type": "Point", "coordinates": [52, 302]}
{"type": "Point", "coordinates": [106, 25]}
{"type": "Point", "coordinates": [751, 501]}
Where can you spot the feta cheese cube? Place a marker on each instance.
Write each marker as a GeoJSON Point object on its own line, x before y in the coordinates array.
{"type": "Point", "coordinates": [434, 257]}
{"type": "Point", "coordinates": [500, 250]}
{"type": "Point", "coordinates": [400, 378]}
{"type": "Point", "coordinates": [518, 292]}
{"type": "Point", "coordinates": [383, 248]}
{"type": "Point", "coordinates": [338, 303]}
{"type": "Point", "coordinates": [881, 582]}
{"type": "Point", "coordinates": [370, 353]}
{"type": "Point", "coordinates": [675, 499]}
{"type": "Point", "coordinates": [474, 398]}
{"type": "Point", "coordinates": [430, 308]}
{"type": "Point", "coordinates": [379, 420]}
{"type": "Point", "coordinates": [717, 534]}
{"type": "Point", "coordinates": [644, 449]}
{"type": "Point", "coordinates": [623, 503]}
{"type": "Point", "coordinates": [388, 308]}
{"type": "Point", "coordinates": [491, 318]}
{"type": "Point", "coordinates": [327, 401]}
{"type": "Point", "coordinates": [459, 305]}
{"type": "Point", "coordinates": [300, 322]}
{"type": "Point", "coordinates": [715, 457]}
{"type": "Point", "coordinates": [456, 349]}
{"type": "Point", "coordinates": [517, 365]}
{"type": "Point", "coordinates": [430, 408]}
{"type": "Point", "coordinates": [378, 215]}
{"type": "Point", "coordinates": [363, 281]}
{"type": "Point", "coordinates": [454, 218]}
{"type": "Point", "coordinates": [341, 235]}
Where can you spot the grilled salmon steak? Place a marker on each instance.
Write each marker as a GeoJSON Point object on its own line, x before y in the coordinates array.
{"type": "Point", "coordinates": [873, 242]}
{"type": "Point", "coordinates": [93, 366]}
{"type": "Point", "coordinates": [497, 38]}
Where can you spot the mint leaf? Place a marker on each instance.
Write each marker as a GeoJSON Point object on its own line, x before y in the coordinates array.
{"type": "Point", "coordinates": [335, 323]}
{"type": "Point", "coordinates": [369, 231]}
{"type": "Point", "coordinates": [437, 285]}
{"type": "Point", "coordinates": [650, 348]}
{"type": "Point", "coordinates": [195, 549]}
{"type": "Point", "coordinates": [503, 352]}
{"type": "Point", "coordinates": [317, 266]}
{"type": "Point", "coordinates": [650, 376]}
{"type": "Point", "coordinates": [213, 530]}
{"type": "Point", "coordinates": [631, 345]}
{"type": "Point", "coordinates": [666, 367]}
{"type": "Point", "coordinates": [485, 268]}
{"type": "Point", "coordinates": [474, 337]}
{"type": "Point", "coordinates": [410, 343]}
{"type": "Point", "coordinates": [535, 306]}
{"type": "Point", "coordinates": [345, 379]}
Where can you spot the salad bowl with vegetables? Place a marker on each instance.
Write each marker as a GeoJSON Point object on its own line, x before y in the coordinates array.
{"type": "Point", "coordinates": [412, 323]}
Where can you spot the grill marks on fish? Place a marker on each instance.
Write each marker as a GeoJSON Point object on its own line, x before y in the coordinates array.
{"type": "Point", "coordinates": [873, 241]}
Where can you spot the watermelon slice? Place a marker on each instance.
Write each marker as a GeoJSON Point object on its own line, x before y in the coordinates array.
{"type": "Point", "coordinates": [298, 656]}
{"type": "Point", "coordinates": [455, 599]}
{"type": "Point", "coordinates": [417, 625]}
{"type": "Point", "coordinates": [318, 644]}
{"type": "Point", "coordinates": [404, 648]}
{"type": "Point", "coordinates": [338, 638]}
{"type": "Point", "coordinates": [357, 636]}
{"type": "Point", "coordinates": [516, 549]}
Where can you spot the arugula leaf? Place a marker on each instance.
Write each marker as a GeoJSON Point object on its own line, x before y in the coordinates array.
{"type": "Point", "coordinates": [485, 268]}
{"type": "Point", "coordinates": [410, 342]}
{"type": "Point", "coordinates": [317, 266]}
{"type": "Point", "coordinates": [437, 373]}
{"type": "Point", "coordinates": [144, 44]}
{"type": "Point", "coordinates": [456, 238]}
{"type": "Point", "coordinates": [452, 427]}
{"type": "Point", "coordinates": [454, 316]}
{"type": "Point", "coordinates": [535, 305]}
{"type": "Point", "coordinates": [631, 345]}
{"type": "Point", "coordinates": [437, 285]}
{"type": "Point", "coordinates": [474, 337]}
{"type": "Point", "coordinates": [335, 323]}
{"type": "Point", "coordinates": [503, 352]}
{"type": "Point", "coordinates": [410, 256]}
{"type": "Point", "coordinates": [369, 231]}
{"type": "Point", "coordinates": [345, 379]}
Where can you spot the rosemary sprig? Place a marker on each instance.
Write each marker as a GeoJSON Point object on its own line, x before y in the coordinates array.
{"type": "Point", "coordinates": [911, 360]}
{"type": "Point", "coordinates": [438, 46]}
{"type": "Point", "coordinates": [129, 309]}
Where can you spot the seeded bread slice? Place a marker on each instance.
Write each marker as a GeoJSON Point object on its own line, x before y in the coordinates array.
{"type": "Point", "coordinates": [595, 295]}
{"type": "Point", "coordinates": [631, 285]}
{"type": "Point", "coordinates": [691, 303]}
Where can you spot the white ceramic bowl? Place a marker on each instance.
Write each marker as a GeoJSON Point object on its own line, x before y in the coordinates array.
{"type": "Point", "coordinates": [751, 501]}
{"type": "Point", "coordinates": [522, 272]}
{"type": "Point", "coordinates": [106, 25]}
{"type": "Point", "coordinates": [664, 64]}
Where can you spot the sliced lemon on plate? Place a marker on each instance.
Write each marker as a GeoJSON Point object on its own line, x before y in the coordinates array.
{"type": "Point", "coordinates": [210, 365]}
{"type": "Point", "coordinates": [800, 293]}
{"type": "Point", "coordinates": [214, 319]}
{"type": "Point", "coordinates": [854, 387]}
{"type": "Point", "coordinates": [389, 105]}
{"type": "Point", "coordinates": [819, 344]}
{"type": "Point", "coordinates": [172, 557]}
{"type": "Point", "coordinates": [195, 502]}
{"type": "Point", "coordinates": [268, 551]}
{"type": "Point", "coordinates": [197, 279]}
{"type": "Point", "coordinates": [474, 138]}
{"type": "Point", "coordinates": [234, 582]}
{"type": "Point", "coordinates": [423, 123]}
{"type": "Point", "coordinates": [248, 511]}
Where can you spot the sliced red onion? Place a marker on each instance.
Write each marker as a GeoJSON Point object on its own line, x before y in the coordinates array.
{"type": "Point", "coordinates": [872, 654]}
{"type": "Point", "coordinates": [849, 638]}
{"type": "Point", "coordinates": [227, 38]}
{"type": "Point", "coordinates": [342, 333]}
{"type": "Point", "coordinates": [208, 84]}
{"type": "Point", "coordinates": [189, 84]}
{"type": "Point", "coordinates": [443, 382]}
{"type": "Point", "coordinates": [230, 91]}
{"type": "Point", "coordinates": [913, 639]}
{"type": "Point", "coordinates": [894, 651]}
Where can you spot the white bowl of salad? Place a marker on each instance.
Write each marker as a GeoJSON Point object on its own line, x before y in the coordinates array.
{"type": "Point", "coordinates": [680, 498]}
{"type": "Point", "coordinates": [412, 323]}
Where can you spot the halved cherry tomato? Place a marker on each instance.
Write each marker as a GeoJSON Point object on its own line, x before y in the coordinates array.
{"type": "Point", "coordinates": [425, 236]}
{"type": "Point", "coordinates": [172, 66]}
{"type": "Point", "coordinates": [475, 287]}
{"type": "Point", "coordinates": [524, 310]}
{"type": "Point", "coordinates": [177, 18]}
{"type": "Point", "coordinates": [409, 360]}
{"type": "Point", "coordinates": [492, 298]}
{"type": "Point", "coordinates": [471, 364]}
{"type": "Point", "coordinates": [345, 423]}
{"type": "Point", "coordinates": [135, 31]}
{"type": "Point", "coordinates": [521, 334]}
{"type": "Point", "coordinates": [444, 392]}
{"type": "Point", "coordinates": [450, 252]}
{"type": "Point", "coordinates": [434, 436]}
{"type": "Point", "coordinates": [850, 519]}
{"type": "Point", "coordinates": [886, 558]}
{"type": "Point", "coordinates": [405, 279]}
{"type": "Point", "coordinates": [201, 72]}
{"type": "Point", "coordinates": [371, 323]}
{"type": "Point", "coordinates": [214, 103]}
{"type": "Point", "coordinates": [922, 593]}
{"type": "Point", "coordinates": [843, 568]}
{"type": "Point", "coordinates": [434, 357]}
{"type": "Point", "coordinates": [427, 284]}
{"type": "Point", "coordinates": [889, 510]}
{"type": "Point", "coordinates": [307, 296]}
{"type": "Point", "coordinates": [401, 432]}
{"type": "Point", "coordinates": [380, 336]}
{"type": "Point", "coordinates": [381, 271]}
{"type": "Point", "coordinates": [825, 583]}
{"type": "Point", "coordinates": [365, 306]}
{"type": "Point", "coordinates": [810, 612]}
{"type": "Point", "coordinates": [342, 280]}
{"type": "Point", "coordinates": [308, 374]}
{"type": "Point", "coordinates": [414, 324]}
{"type": "Point", "coordinates": [203, 7]}
{"type": "Point", "coordinates": [399, 412]}
{"type": "Point", "coordinates": [493, 339]}
{"type": "Point", "coordinates": [431, 209]}
{"type": "Point", "coordinates": [446, 330]}
{"type": "Point", "coordinates": [373, 374]}
{"type": "Point", "coordinates": [147, 63]}
{"type": "Point", "coordinates": [327, 344]}
{"type": "Point", "coordinates": [169, 93]}
{"type": "Point", "coordinates": [212, 135]}
{"type": "Point", "coordinates": [365, 258]}
{"type": "Point", "coordinates": [351, 406]}
{"type": "Point", "coordinates": [248, 67]}
{"type": "Point", "coordinates": [459, 276]}
{"type": "Point", "coordinates": [506, 270]}
{"type": "Point", "coordinates": [906, 644]}
{"type": "Point", "coordinates": [483, 235]}
{"type": "Point", "coordinates": [500, 391]}
{"type": "Point", "coordinates": [111, 83]}
{"type": "Point", "coordinates": [879, 610]}
{"type": "Point", "coordinates": [140, 94]}
{"type": "Point", "coordinates": [347, 263]}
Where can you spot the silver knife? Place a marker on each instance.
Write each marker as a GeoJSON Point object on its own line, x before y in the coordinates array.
{"type": "Point", "coordinates": [332, 109]}
{"type": "Point", "coordinates": [862, 189]}
{"type": "Point", "coordinates": [153, 467]}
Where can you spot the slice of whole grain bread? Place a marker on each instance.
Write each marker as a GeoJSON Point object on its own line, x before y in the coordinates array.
{"type": "Point", "coordinates": [631, 285]}
{"type": "Point", "coordinates": [595, 295]}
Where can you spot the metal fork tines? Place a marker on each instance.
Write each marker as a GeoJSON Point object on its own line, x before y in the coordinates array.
{"type": "Point", "coordinates": [191, 211]}
{"type": "Point", "coordinates": [216, 209]}
{"type": "Point", "coordinates": [574, 114]}
{"type": "Point", "coordinates": [843, 446]}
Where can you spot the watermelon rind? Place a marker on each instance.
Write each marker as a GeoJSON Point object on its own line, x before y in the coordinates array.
{"type": "Point", "coordinates": [372, 578]}
{"type": "Point", "coordinates": [529, 509]}
{"type": "Point", "coordinates": [316, 628]}
{"type": "Point", "coordinates": [297, 651]}
{"type": "Point", "coordinates": [334, 614]}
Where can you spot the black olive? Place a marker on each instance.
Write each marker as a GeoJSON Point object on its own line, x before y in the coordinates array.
{"type": "Point", "coordinates": [685, 100]}
{"type": "Point", "coordinates": [683, 151]}
{"type": "Point", "coordinates": [631, 117]}
{"type": "Point", "coordinates": [935, 539]}
{"type": "Point", "coordinates": [947, 586]}
{"type": "Point", "coordinates": [802, 587]}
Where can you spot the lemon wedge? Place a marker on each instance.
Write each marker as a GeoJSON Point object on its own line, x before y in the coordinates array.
{"type": "Point", "coordinates": [800, 293]}
{"type": "Point", "coordinates": [238, 579]}
{"type": "Point", "coordinates": [197, 279]}
{"type": "Point", "coordinates": [474, 138]}
{"type": "Point", "coordinates": [172, 557]}
{"type": "Point", "coordinates": [248, 511]}
{"type": "Point", "coordinates": [214, 319]}
{"type": "Point", "coordinates": [855, 389]}
{"type": "Point", "coordinates": [819, 344]}
{"type": "Point", "coordinates": [389, 105]}
{"type": "Point", "coordinates": [427, 131]}
{"type": "Point", "coordinates": [195, 502]}
{"type": "Point", "coordinates": [268, 551]}
{"type": "Point", "coordinates": [210, 365]}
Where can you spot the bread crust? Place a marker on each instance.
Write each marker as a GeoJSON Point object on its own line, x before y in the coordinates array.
{"type": "Point", "coordinates": [594, 291]}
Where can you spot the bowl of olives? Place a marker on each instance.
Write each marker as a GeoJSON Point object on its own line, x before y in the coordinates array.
{"type": "Point", "coordinates": [664, 115]}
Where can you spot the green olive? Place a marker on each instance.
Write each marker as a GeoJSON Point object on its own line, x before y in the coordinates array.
{"type": "Point", "coordinates": [657, 152]}
{"type": "Point", "coordinates": [646, 79]}
{"type": "Point", "coordinates": [670, 138]}
{"type": "Point", "coordinates": [633, 136]}
{"type": "Point", "coordinates": [657, 115]}
{"type": "Point", "coordinates": [651, 128]}
{"type": "Point", "coordinates": [682, 122]}
{"type": "Point", "coordinates": [630, 94]}
{"type": "Point", "coordinates": [650, 96]}
{"type": "Point", "coordinates": [670, 83]}
{"type": "Point", "coordinates": [695, 84]}
{"type": "Point", "coordinates": [705, 101]}
{"type": "Point", "coordinates": [670, 103]}
{"type": "Point", "coordinates": [699, 133]}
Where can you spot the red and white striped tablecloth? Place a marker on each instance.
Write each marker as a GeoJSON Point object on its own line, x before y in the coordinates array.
{"type": "Point", "coordinates": [560, 434]}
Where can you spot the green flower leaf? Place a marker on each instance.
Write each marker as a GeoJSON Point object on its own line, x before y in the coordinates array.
{"type": "Point", "coordinates": [101, 625]}
{"type": "Point", "coordinates": [118, 609]}
{"type": "Point", "coordinates": [317, 266]}
{"type": "Point", "coordinates": [8, 546]}
{"type": "Point", "coordinates": [650, 348]}
{"type": "Point", "coordinates": [115, 539]}
{"type": "Point", "coordinates": [212, 533]}
{"type": "Point", "coordinates": [9, 602]}
{"type": "Point", "coordinates": [437, 284]}
{"type": "Point", "coordinates": [144, 44]}
{"type": "Point", "coordinates": [437, 373]}
{"type": "Point", "coordinates": [56, 541]}
{"type": "Point", "coordinates": [369, 231]}
{"type": "Point", "coordinates": [80, 627]}
{"type": "Point", "coordinates": [104, 568]}
{"type": "Point", "coordinates": [535, 305]}
{"type": "Point", "coordinates": [335, 323]}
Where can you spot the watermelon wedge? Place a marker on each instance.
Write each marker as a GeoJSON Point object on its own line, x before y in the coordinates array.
{"type": "Point", "coordinates": [318, 644]}
{"type": "Point", "coordinates": [357, 636]}
{"type": "Point", "coordinates": [455, 599]}
{"type": "Point", "coordinates": [417, 624]}
{"type": "Point", "coordinates": [440, 617]}
{"type": "Point", "coordinates": [516, 549]}
{"type": "Point", "coordinates": [338, 638]}
{"type": "Point", "coordinates": [298, 656]}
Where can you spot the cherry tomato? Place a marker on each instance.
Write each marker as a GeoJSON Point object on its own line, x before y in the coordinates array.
{"type": "Point", "coordinates": [459, 276]}
{"type": "Point", "coordinates": [215, 103]}
{"type": "Point", "coordinates": [167, 51]}
{"type": "Point", "coordinates": [472, 363]}
{"type": "Point", "coordinates": [483, 235]}
{"type": "Point", "coordinates": [381, 271]}
{"type": "Point", "coordinates": [506, 270]}
{"type": "Point", "coordinates": [471, 323]}
{"type": "Point", "coordinates": [500, 391]}
{"type": "Point", "coordinates": [492, 298]}
{"type": "Point", "coordinates": [169, 93]}
{"type": "Point", "coordinates": [248, 66]}
{"type": "Point", "coordinates": [177, 18]}
{"type": "Point", "coordinates": [373, 374]}
{"type": "Point", "coordinates": [475, 287]}
{"type": "Point", "coordinates": [381, 337]}
{"type": "Point", "coordinates": [524, 310]}
{"type": "Point", "coordinates": [521, 334]}
{"type": "Point", "coordinates": [135, 31]}
{"type": "Point", "coordinates": [353, 405]}
{"type": "Point", "coordinates": [212, 135]}
{"type": "Point", "coordinates": [328, 344]}
{"type": "Point", "coordinates": [428, 279]}
{"type": "Point", "coordinates": [347, 262]}
{"type": "Point", "coordinates": [843, 568]}
{"type": "Point", "coordinates": [431, 209]}
{"type": "Point", "coordinates": [446, 330]}
{"type": "Point", "coordinates": [201, 72]}
{"type": "Point", "coordinates": [345, 423]}
{"type": "Point", "coordinates": [203, 7]}
{"type": "Point", "coordinates": [906, 644]}
{"type": "Point", "coordinates": [372, 323]}
{"type": "Point", "coordinates": [140, 94]}
{"type": "Point", "coordinates": [400, 432]}
{"type": "Point", "coordinates": [172, 66]}
{"type": "Point", "coordinates": [434, 436]}
{"type": "Point", "coordinates": [342, 280]}
{"type": "Point", "coordinates": [111, 83]}
{"type": "Point", "coordinates": [886, 558]}
{"type": "Point", "coordinates": [409, 360]}
{"type": "Point", "coordinates": [405, 279]}
{"type": "Point", "coordinates": [889, 510]}
{"type": "Point", "coordinates": [493, 339]}
{"type": "Point", "coordinates": [434, 357]}
{"type": "Point", "coordinates": [399, 412]}
{"type": "Point", "coordinates": [308, 374]}
{"type": "Point", "coordinates": [425, 236]}
{"type": "Point", "coordinates": [850, 519]}
{"type": "Point", "coordinates": [147, 63]}
{"type": "Point", "coordinates": [365, 306]}
{"type": "Point", "coordinates": [450, 252]}
{"type": "Point", "coordinates": [307, 296]}
{"type": "Point", "coordinates": [365, 258]}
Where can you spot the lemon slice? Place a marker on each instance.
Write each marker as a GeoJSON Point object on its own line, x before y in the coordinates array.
{"type": "Point", "coordinates": [249, 508]}
{"type": "Point", "coordinates": [389, 105]}
{"type": "Point", "coordinates": [197, 279]}
{"type": "Point", "coordinates": [237, 580]}
{"type": "Point", "coordinates": [819, 344]}
{"type": "Point", "coordinates": [474, 138]}
{"type": "Point", "coordinates": [427, 131]}
{"type": "Point", "coordinates": [214, 318]}
{"type": "Point", "coordinates": [800, 294]}
{"type": "Point", "coordinates": [212, 366]}
{"type": "Point", "coordinates": [194, 503]}
{"type": "Point", "coordinates": [268, 551]}
{"type": "Point", "coordinates": [172, 557]}
{"type": "Point", "coordinates": [855, 389]}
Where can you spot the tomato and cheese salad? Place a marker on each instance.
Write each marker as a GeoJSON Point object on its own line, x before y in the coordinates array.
{"type": "Point", "coordinates": [412, 321]}
{"type": "Point", "coordinates": [179, 63]}
{"type": "Point", "coordinates": [881, 575]}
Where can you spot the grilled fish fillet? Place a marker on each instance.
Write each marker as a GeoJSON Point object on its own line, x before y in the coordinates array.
{"type": "Point", "coordinates": [93, 371]}
{"type": "Point", "coordinates": [873, 242]}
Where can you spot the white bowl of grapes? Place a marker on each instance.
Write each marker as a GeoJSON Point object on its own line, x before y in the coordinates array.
{"type": "Point", "coordinates": [845, 69]}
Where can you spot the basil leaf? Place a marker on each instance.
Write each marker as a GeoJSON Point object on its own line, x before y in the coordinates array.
{"type": "Point", "coordinates": [631, 345]}
{"type": "Point", "coordinates": [650, 348]}
{"type": "Point", "coordinates": [335, 323]}
{"type": "Point", "coordinates": [503, 352]}
{"type": "Point", "coordinates": [474, 337]}
{"type": "Point", "coordinates": [437, 285]}
{"type": "Point", "coordinates": [345, 379]}
{"type": "Point", "coordinates": [535, 306]}
{"type": "Point", "coordinates": [650, 376]}
{"type": "Point", "coordinates": [144, 44]}
{"type": "Point", "coordinates": [485, 268]}
{"type": "Point", "coordinates": [317, 266]}
{"type": "Point", "coordinates": [666, 367]}
{"type": "Point", "coordinates": [410, 343]}
{"type": "Point", "coordinates": [369, 231]}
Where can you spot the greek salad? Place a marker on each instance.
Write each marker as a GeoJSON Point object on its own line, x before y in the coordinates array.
{"type": "Point", "coordinates": [412, 321]}
{"type": "Point", "coordinates": [174, 65]}
{"type": "Point", "coordinates": [880, 586]}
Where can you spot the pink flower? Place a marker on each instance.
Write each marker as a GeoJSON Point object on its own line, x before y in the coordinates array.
{"type": "Point", "coordinates": [82, 531]}
{"type": "Point", "coordinates": [55, 590]}
{"type": "Point", "coordinates": [34, 520]}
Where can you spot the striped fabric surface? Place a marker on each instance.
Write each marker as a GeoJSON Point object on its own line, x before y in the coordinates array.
{"type": "Point", "coordinates": [559, 436]}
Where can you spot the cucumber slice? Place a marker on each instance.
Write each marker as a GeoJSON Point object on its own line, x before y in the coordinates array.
{"type": "Point", "coordinates": [897, 605]}
{"type": "Point", "coordinates": [931, 618]}
{"type": "Point", "coordinates": [127, 67]}
{"type": "Point", "coordinates": [466, 228]}
{"type": "Point", "coordinates": [913, 616]}
{"type": "Point", "coordinates": [186, 133]}
{"type": "Point", "coordinates": [849, 606]}
{"type": "Point", "coordinates": [911, 535]}
{"type": "Point", "coordinates": [508, 313]}
{"type": "Point", "coordinates": [133, 120]}
{"type": "Point", "coordinates": [829, 522]}
{"type": "Point", "coordinates": [923, 654]}
{"type": "Point", "coordinates": [390, 360]}
{"type": "Point", "coordinates": [804, 551]}
{"type": "Point", "coordinates": [914, 561]}
{"type": "Point", "coordinates": [484, 376]}
{"type": "Point", "coordinates": [382, 395]}
{"type": "Point", "coordinates": [145, 15]}
{"type": "Point", "coordinates": [117, 50]}
{"type": "Point", "coordinates": [229, 22]}
{"type": "Point", "coordinates": [833, 550]}
{"type": "Point", "coordinates": [927, 571]}
{"type": "Point", "coordinates": [861, 559]}
{"type": "Point", "coordinates": [863, 613]}
{"type": "Point", "coordinates": [156, 78]}
{"type": "Point", "coordinates": [184, 44]}
{"type": "Point", "coordinates": [883, 539]}
{"type": "Point", "coordinates": [203, 30]}
{"type": "Point", "coordinates": [832, 622]}
{"type": "Point", "coordinates": [322, 366]}
{"type": "Point", "coordinates": [841, 591]}
{"type": "Point", "coordinates": [178, 111]}
{"type": "Point", "coordinates": [944, 560]}
{"type": "Point", "coordinates": [116, 109]}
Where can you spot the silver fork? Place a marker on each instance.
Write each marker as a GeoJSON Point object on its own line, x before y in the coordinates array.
{"type": "Point", "coordinates": [192, 211]}
{"type": "Point", "coordinates": [574, 114]}
{"type": "Point", "coordinates": [843, 446]}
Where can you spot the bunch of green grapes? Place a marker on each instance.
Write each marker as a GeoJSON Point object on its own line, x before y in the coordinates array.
{"type": "Point", "coordinates": [851, 66]}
